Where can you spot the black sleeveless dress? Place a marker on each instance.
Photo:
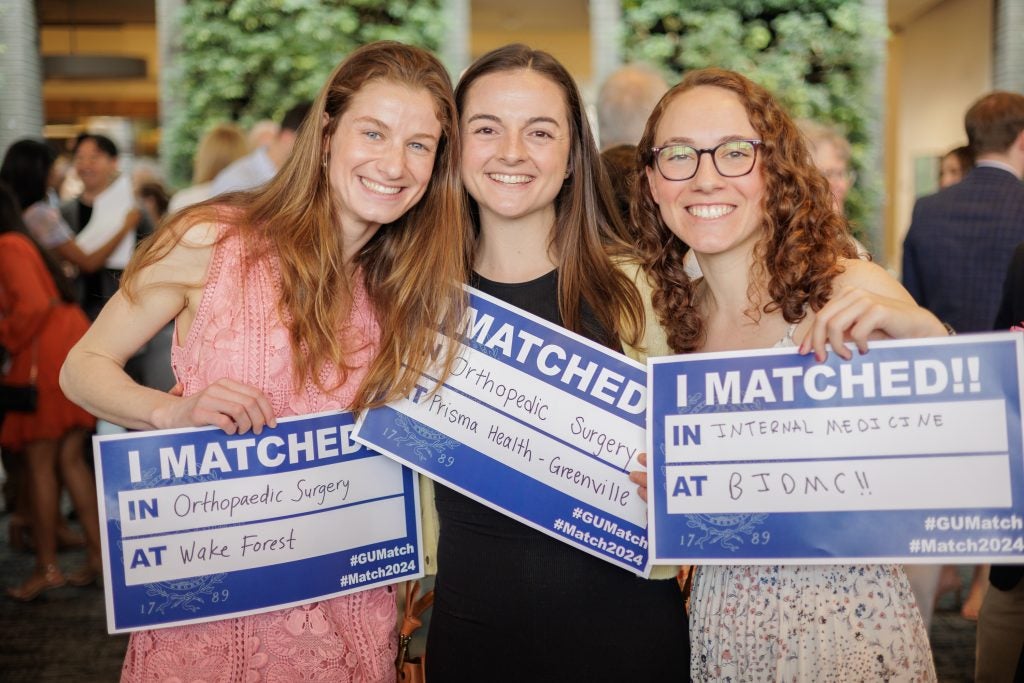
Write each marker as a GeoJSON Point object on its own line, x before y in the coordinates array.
{"type": "Point", "coordinates": [512, 604]}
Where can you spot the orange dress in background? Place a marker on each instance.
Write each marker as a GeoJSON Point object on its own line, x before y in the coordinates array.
{"type": "Point", "coordinates": [33, 315]}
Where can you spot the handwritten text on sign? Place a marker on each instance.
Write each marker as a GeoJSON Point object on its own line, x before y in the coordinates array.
{"type": "Point", "coordinates": [534, 421]}
{"type": "Point", "coordinates": [739, 438]}
{"type": "Point", "coordinates": [202, 525]}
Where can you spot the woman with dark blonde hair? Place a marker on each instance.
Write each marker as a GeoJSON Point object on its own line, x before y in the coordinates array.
{"type": "Point", "coordinates": [726, 174]}
{"type": "Point", "coordinates": [511, 603]}
{"type": "Point", "coordinates": [222, 144]}
{"type": "Point", "coordinates": [322, 290]}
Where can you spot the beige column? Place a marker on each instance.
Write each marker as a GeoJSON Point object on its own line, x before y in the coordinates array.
{"type": "Point", "coordinates": [1009, 48]}
{"type": "Point", "coordinates": [605, 47]}
{"type": "Point", "coordinates": [874, 153]}
{"type": "Point", "coordinates": [21, 75]}
{"type": "Point", "coordinates": [168, 47]}
{"type": "Point", "coordinates": [455, 51]}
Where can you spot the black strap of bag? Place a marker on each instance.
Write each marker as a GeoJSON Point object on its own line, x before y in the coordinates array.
{"type": "Point", "coordinates": [22, 398]}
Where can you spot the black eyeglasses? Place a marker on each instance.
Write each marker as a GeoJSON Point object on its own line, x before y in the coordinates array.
{"type": "Point", "coordinates": [732, 158]}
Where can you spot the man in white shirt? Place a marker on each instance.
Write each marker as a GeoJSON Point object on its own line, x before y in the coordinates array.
{"type": "Point", "coordinates": [98, 213]}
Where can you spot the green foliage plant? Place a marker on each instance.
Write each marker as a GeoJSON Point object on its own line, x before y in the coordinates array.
{"type": "Point", "coordinates": [819, 57]}
{"type": "Point", "coordinates": [246, 60]}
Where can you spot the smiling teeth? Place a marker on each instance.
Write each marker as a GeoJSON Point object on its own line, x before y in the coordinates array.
{"type": "Point", "coordinates": [377, 187]}
{"type": "Point", "coordinates": [713, 211]}
{"type": "Point", "coordinates": [510, 179]}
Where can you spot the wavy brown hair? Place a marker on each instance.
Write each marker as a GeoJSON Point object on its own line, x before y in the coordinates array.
{"type": "Point", "coordinates": [588, 230]}
{"type": "Point", "coordinates": [803, 238]}
{"type": "Point", "coordinates": [412, 268]}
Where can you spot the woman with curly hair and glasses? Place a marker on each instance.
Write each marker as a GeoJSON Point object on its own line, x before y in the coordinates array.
{"type": "Point", "coordinates": [726, 174]}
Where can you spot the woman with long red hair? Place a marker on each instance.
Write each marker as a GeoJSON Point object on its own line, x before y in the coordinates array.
{"type": "Point", "coordinates": [324, 289]}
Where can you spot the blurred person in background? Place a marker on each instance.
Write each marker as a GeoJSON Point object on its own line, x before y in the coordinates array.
{"type": "Point", "coordinates": [620, 164]}
{"type": "Point", "coordinates": [29, 169]}
{"type": "Point", "coordinates": [39, 323]}
{"type": "Point", "coordinates": [625, 101]}
{"type": "Point", "coordinates": [955, 165]}
{"type": "Point", "coordinates": [961, 239]}
{"type": "Point", "coordinates": [955, 256]}
{"type": "Point", "coordinates": [261, 134]}
{"type": "Point", "coordinates": [830, 152]}
{"type": "Point", "coordinates": [153, 364]}
{"type": "Point", "coordinates": [65, 181]}
{"type": "Point", "coordinates": [154, 200]}
{"type": "Point", "coordinates": [260, 165]}
{"type": "Point", "coordinates": [99, 212]}
{"type": "Point", "coordinates": [221, 145]}
{"type": "Point", "coordinates": [146, 170]}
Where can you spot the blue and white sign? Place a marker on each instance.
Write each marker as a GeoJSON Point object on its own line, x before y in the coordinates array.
{"type": "Point", "coordinates": [535, 421]}
{"type": "Point", "coordinates": [909, 453]}
{"type": "Point", "coordinates": [201, 525]}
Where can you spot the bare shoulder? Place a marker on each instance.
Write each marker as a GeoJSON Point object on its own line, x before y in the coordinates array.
{"type": "Point", "coordinates": [861, 274]}
{"type": "Point", "coordinates": [186, 258]}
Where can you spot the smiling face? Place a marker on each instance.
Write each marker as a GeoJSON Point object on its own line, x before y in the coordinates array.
{"type": "Point", "coordinates": [95, 167]}
{"type": "Point", "coordinates": [382, 155]}
{"type": "Point", "coordinates": [515, 157]}
{"type": "Point", "coordinates": [710, 213]}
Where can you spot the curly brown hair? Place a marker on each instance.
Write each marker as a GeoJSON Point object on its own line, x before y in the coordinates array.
{"type": "Point", "coordinates": [803, 238]}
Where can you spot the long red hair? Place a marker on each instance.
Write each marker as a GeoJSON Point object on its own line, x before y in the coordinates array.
{"type": "Point", "coordinates": [412, 268]}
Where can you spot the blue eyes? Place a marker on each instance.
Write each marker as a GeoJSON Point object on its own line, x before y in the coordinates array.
{"type": "Point", "coordinates": [377, 136]}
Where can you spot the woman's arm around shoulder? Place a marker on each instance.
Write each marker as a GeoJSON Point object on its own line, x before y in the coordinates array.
{"type": "Point", "coordinates": [168, 289]}
{"type": "Point", "coordinates": [867, 303]}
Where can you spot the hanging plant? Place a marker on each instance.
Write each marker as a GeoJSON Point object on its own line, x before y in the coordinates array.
{"type": "Point", "coordinates": [817, 56]}
{"type": "Point", "coordinates": [247, 60]}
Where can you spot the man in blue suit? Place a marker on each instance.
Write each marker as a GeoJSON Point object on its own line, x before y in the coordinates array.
{"type": "Point", "coordinates": [955, 258]}
{"type": "Point", "coordinates": [961, 239]}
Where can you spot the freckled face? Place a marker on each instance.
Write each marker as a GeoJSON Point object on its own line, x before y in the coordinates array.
{"type": "Point", "coordinates": [515, 132]}
{"type": "Point", "coordinates": [382, 154]}
{"type": "Point", "coordinates": [709, 212]}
